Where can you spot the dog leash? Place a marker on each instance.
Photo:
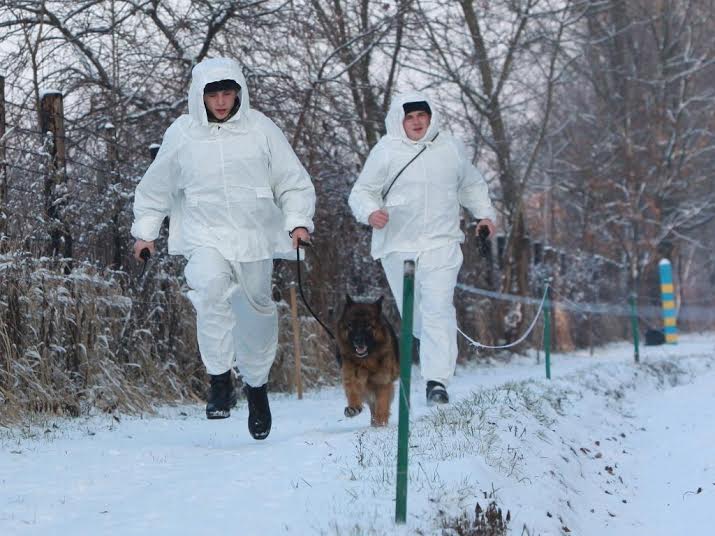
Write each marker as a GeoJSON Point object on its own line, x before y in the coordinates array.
{"type": "Point", "coordinates": [300, 287]}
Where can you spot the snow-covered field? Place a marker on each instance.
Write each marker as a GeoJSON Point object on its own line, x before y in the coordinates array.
{"type": "Point", "coordinates": [607, 447]}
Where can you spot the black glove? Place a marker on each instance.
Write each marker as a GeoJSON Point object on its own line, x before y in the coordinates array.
{"type": "Point", "coordinates": [484, 245]}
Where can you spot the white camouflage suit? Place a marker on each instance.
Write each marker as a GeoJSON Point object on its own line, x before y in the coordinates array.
{"type": "Point", "coordinates": [232, 190]}
{"type": "Point", "coordinates": [424, 214]}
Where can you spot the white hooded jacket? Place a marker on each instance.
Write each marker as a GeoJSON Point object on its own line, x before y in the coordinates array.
{"type": "Point", "coordinates": [235, 186]}
{"type": "Point", "coordinates": [423, 204]}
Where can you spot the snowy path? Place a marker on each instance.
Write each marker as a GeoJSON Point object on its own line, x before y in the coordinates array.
{"type": "Point", "coordinates": [319, 473]}
{"type": "Point", "coordinates": [677, 456]}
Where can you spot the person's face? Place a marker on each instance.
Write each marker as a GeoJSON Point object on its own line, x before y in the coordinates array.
{"type": "Point", "coordinates": [416, 124]}
{"type": "Point", "coordinates": [220, 103]}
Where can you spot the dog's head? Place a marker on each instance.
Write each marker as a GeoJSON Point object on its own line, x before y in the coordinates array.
{"type": "Point", "coordinates": [360, 327]}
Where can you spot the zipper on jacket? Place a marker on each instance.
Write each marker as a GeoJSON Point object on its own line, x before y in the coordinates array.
{"type": "Point", "coordinates": [223, 179]}
{"type": "Point", "coordinates": [425, 196]}
{"type": "Point", "coordinates": [225, 186]}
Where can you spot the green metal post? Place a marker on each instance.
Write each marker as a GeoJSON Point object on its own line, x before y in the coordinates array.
{"type": "Point", "coordinates": [403, 431]}
{"type": "Point", "coordinates": [634, 326]}
{"type": "Point", "coordinates": [547, 331]}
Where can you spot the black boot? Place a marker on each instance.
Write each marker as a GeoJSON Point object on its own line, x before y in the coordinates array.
{"type": "Point", "coordinates": [222, 396]}
{"type": "Point", "coordinates": [436, 393]}
{"type": "Point", "coordinates": [259, 412]}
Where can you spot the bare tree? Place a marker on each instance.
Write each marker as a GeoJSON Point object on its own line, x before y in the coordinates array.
{"type": "Point", "coordinates": [365, 43]}
{"type": "Point", "coordinates": [3, 167]}
{"type": "Point", "coordinates": [636, 154]}
{"type": "Point", "coordinates": [501, 63]}
{"type": "Point", "coordinates": [121, 64]}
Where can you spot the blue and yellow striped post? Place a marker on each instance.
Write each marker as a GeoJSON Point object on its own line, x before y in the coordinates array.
{"type": "Point", "coordinates": [667, 296]}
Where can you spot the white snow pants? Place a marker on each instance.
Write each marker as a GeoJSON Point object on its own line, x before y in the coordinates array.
{"type": "Point", "coordinates": [435, 318]}
{"type": "Point", "coordinates": [236, 319]}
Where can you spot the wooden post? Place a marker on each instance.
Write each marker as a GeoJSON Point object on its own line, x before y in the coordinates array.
{"type": "Point", "coordinates": [501, 245]}
{"type": "Point", "coordinates": [53, 128]}
{"type": "Point", "coordinates": [104, 179]}
{"type": "Point", "coordinates": [112, 179]}
{"type": "Point", "coordinates": [3, 168]}
{"type": "Point", "coordinates": [296, 342]}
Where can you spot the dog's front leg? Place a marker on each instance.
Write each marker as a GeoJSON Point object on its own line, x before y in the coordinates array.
{"type": "Point", "coordinates": [355, 384]}
{"type": "Point", "coordinates": [383, 397]}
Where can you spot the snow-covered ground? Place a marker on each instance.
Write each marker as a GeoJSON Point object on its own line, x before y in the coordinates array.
{"type": "Point", "coordinates": [606, 447]}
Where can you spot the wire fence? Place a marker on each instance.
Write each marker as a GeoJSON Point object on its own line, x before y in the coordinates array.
{"type": "Point", "coordinates": [690, 310]}
{"type": "Point", "coordinates": [519, 340]}
{"type": "Point", "coordinates": [694, 310]}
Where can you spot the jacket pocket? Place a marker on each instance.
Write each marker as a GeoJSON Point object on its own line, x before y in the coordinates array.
{"type": "Point", "coordinates": [264, 193]}
{"type": "Point", "coordinates": [244, 195]}
{"type": "Point", "coordinates": [395, 200]}
{"type": "Point", "coordinates": [197, 199]}
{"type": "Point", "coordinates": [255, 207]}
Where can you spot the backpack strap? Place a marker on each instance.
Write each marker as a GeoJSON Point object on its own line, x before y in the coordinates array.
{"type": "Point", "coordinates": [384, 195]}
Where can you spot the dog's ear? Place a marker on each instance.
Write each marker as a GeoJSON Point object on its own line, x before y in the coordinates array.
{"type": "Point", "coordinates": [348, 299]}
{"type": "Point", "coordinates": [379, 303]}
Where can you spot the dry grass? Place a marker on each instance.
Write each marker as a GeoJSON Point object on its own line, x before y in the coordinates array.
{"type": "Point", "coordinates": [87, 340]}
{"type": "Point", "coordinates": [98, 340]}
{"type": "Point", "coordinates": [489, 522]}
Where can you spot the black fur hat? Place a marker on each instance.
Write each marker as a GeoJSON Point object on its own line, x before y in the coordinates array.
{"type": "Point", "coordinates": [418, 106]}
{"type": "Point", "coordinates": [222, 85]}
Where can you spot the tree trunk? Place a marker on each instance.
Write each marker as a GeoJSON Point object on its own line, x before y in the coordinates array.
{"type": "Point", "coordinates": [52, 126]}
{"type": "Point", "coordinates": [3, 168]}
{"type": "Point", "coordinates": [113, 180]}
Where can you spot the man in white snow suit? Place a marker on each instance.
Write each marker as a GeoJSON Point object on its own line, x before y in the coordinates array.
{"type": "Point", "coordinates": [415, 213]}
{"type": "Point", "coordinates": [236, 194]}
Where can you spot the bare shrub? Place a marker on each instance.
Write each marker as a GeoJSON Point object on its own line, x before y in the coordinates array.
{"type": "Point", "coordinates": [489, 522]}
{"type": "Point", "coordinates": [102, 340]}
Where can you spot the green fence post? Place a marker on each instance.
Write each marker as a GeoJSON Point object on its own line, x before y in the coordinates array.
{"type": "Point", "coordinates": [547, 330]}
{"type": "Point", "coordinates": [403, 431]}
{"type": "Point", "coordinates": [634, 326]}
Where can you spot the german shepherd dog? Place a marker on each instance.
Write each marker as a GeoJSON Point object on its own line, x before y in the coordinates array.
{"type": "Point", "coordinates": [369, 358]}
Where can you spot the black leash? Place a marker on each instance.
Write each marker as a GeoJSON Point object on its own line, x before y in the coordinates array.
{"type": "Point", "coordinates": [300, 287]}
